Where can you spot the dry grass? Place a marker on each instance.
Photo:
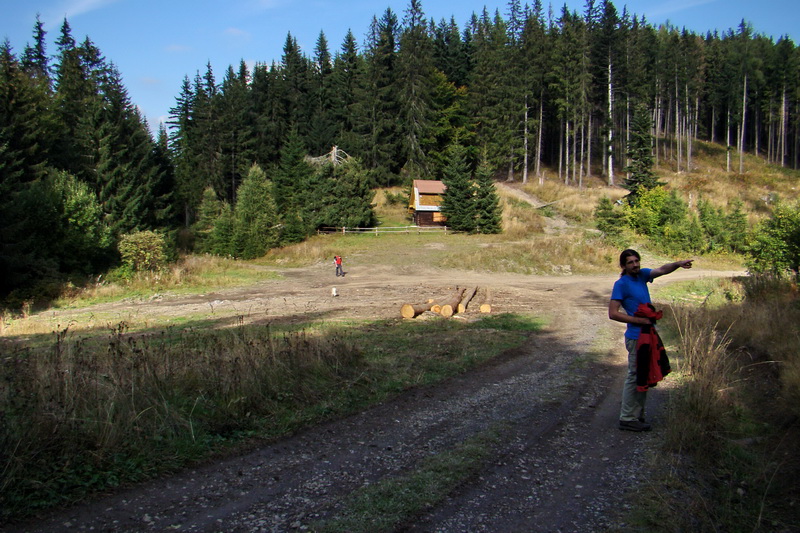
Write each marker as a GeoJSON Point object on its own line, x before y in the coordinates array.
{"type": "Point", "coordinates": [573, 203]}
{"type": "Point", "coordinates": [758, 187]}
{"type": "Point", "coordinates": [520, 219]}
{"type": "Point", "coordinates": [134, 404]}
{"type": "Point", "coordinates": [395, 212]}
{"type": "Point", "coordinates": [81, 414]}
{"type": "Point", "coordinates": [542, 255]}
{"type": "Point", "coordinates": [192, 273]}
{"type": "Point", "coordinates": [732, 435]}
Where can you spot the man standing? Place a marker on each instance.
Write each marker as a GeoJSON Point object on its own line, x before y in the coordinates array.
{"type": "Point", "coordinates": [629, 291]}
{"type": "Point", "coordinates": [337, 260]}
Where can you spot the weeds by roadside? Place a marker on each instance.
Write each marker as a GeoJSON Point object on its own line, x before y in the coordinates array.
{"type": "Point", "coordinates": [84, 414]}
{"type": "Point", "coordinates": [730, 460]}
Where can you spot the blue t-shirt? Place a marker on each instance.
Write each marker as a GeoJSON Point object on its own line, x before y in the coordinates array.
{"type": "Point", "coordinates": [632, 292]}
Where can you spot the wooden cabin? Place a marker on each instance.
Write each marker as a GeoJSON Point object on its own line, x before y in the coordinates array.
{"type": "Point", "coordinates": [425, 203]}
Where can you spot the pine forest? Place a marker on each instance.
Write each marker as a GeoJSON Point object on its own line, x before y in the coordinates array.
{"type": "Point", "coordinates": [503, 96]}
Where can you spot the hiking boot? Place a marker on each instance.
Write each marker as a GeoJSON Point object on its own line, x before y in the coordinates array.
{"type": "Point", "coordinates": [634, 425]}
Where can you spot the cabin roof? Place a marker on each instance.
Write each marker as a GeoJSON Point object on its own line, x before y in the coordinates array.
{"type": "Point", "coordinates": [429, 186]}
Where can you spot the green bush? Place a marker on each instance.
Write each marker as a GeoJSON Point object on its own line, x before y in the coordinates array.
{"type": "Point", "coordinates": [775, 245]}
{"type": "Point", "coordinates": [608, 220]}
{"type": "Point", "coordinates": [398, 198]}
{"type": "Point", "coordinates": [143, 251]}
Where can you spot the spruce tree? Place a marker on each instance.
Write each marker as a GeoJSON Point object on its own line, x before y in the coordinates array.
{"type": "Point", "coordinates": [323, 127]}
{"type": "Point", "coordinates": [28, 208]}
{"type": "Point", "coordinates": [451, 53]}
{"type": "Point", "coordinates": [34, 59]}
{"type": "Point", "coordinates": [415, 78]}
{"type": "Point", "coordinates": [294, 86]}
{"type": "Point", "coordinates": [342, 196]}
{"type": "Point", "coordinates": [347, 91]}
{"type": "Point", "coordinates": [608, 220]}
{"type": "Point", "coordinates": [128, 175]}
{"type": "Point", "coordinates": [451, 121]}
{"type": "Point", "coordinates": [235, 133]}
{"type": "Point", "coordinates": [640, 153]}
{"type": "Point", "coordinates": [494, 100]}
{"type": "Point", "coordinates": [206, 141]}
{"type": "Point", "coordinates": [489, 215]}
{"type": "Point", "coordinates": [458, 201]}
{"type": "Point", "coordinates": [71, 100]}
{"type": "Point", "coordinates": [188, 182]}
{"type": "Point", "coordinates": [270, 122]}
{"type": "Point", "coordinates": [255, 220]}
{"type": "Point", "coordinates": [381, 103]}
{"type": "Point", "coordinates": [221, 238]}
{"type": "Point", "coordinates": [290, 190]}
{"type": "Point", "coordinates": [208, 212]}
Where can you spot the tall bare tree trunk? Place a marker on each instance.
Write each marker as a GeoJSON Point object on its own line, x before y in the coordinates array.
{"type": "Point", "coordinates": [525, 145]}
{"type": "Point", "coordinates": [627, 133]}
{"type": "Point", "coordinates": [539, 139]}
{"type": "Point", "coordinates": [728, 143]}
{"type": "Point", "coordinates": [589, 150]}
{"type": "Point", "coordinates": [656, 124]}
{"type": "Point", "coordinates": [783, 128]}
{"type": "Point", "coordinates": [744, 121]}
{"type": "Point", "coordinates": [566, 154]}
{"type": "Point", "coordinates": [610, 127]}
{"type": "Point", "coordinates": [690, 134]}
{"type": "Point", "coordinates": [561, 152]}
{"type": "Point", "coordinates": [575, 152]}
{"type": "Point", "coordinates": [771, 154]}
{"type": "Point", "coordinates": [678, 129]}
{"type": "Point", "coordinates": [582, 158]}
{"type": "Point", "coordinates": [713, 124]}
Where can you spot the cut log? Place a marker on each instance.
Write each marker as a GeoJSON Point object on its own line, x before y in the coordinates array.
{"type": "Point", "coordinates": [468, 295]}
{"type": "Point", "coordinates": [449, 308]}
{"type": "Point", "coordinates": [486, 305]}
{"type": "Point", "coordinates": [413, 311]}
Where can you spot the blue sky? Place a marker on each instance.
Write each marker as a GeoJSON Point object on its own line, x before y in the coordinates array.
{"type": "Point", "coordinates": [154, 44]}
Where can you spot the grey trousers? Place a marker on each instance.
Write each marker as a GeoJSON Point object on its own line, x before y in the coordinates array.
{"type": "Point", "coordinates": [632, 401]}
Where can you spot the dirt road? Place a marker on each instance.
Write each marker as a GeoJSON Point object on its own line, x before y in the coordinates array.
{"type": "Point", "coordinates": [558, 463]}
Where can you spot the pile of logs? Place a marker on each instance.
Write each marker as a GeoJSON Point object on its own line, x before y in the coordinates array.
{"type": "Point", "coordinates": [461, 301]}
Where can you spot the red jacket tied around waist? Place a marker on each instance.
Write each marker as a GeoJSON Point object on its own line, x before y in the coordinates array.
{"type": "Point", "coordinates": [652, 364]}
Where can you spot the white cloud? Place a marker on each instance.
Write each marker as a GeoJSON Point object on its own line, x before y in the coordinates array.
{"type": "Point", "coordinates": [73, 8]}
{"type": "Point", "coordinates": [675, 6]}
{"type": "Point", "coordinates": [178, 48]}
{"type": "Point", "coordinates": [237, 35]}
{"type": "Point", "coordinates": [264, 5]}
{"type": "Point", "coordinates": [236, 32]}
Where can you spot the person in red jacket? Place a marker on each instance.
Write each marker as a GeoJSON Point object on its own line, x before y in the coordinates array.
{"type": "Point", "coordinates": [337, 260]}
{"type": "Point", "coordinates": [629, 291]}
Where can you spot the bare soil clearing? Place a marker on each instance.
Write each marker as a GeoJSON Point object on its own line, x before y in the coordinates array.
{"type": "Point", "coordinates": [559, 464]}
